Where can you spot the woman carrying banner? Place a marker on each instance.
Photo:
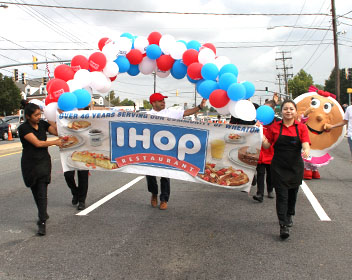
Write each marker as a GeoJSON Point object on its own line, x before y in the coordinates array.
{"type": "Point", "coordinates": [36, 161]}
{"type": "Point", "coordinates": [288, 137]}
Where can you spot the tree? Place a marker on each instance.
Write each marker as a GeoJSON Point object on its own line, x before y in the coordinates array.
{"type": "Point", "coordinates": [126, 102]}
{"type": "Point", "coordinates": [300, 83]}
{"type": "Point", "coordinates": [146, 104]}
{"type": "Point", "coordinates": [10, 96]}
{"type": "Point", "coordinates": [115, 101]}
{"type": "Point", "coordinates": [344, 84]}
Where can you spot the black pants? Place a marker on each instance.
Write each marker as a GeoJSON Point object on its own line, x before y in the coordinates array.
{"type": "Point", "coordinates": [81, 190]}
{"type": "Point", "coordinates": [164, 187]}
{"type": "Point", "coordinates": [40, 194]}
{"type": "Point", "coordinates": [261, 169]}
{"type": "Point", "coordinates": [285, 203]}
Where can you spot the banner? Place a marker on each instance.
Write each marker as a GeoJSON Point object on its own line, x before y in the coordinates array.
{"type": "Point", "coordinates": [221, 155]}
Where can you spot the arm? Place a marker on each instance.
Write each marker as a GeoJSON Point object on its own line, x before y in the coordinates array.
{"type": "Point", "coordinates": [31, 138]}
{"type": "Point", "coordinates": [195, 109]}
{"type": "Point", "coordinates": [265, 143]}
{"type": "Point", "coordinates": [306, 149]}
{"type": "Point", "coordinates": [52, 128]}
{"type": "Point", "coordinates": [328, 127]}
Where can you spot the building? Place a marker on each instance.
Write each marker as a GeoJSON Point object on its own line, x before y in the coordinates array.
{"type": "Point", "coordinates": [32, 89]}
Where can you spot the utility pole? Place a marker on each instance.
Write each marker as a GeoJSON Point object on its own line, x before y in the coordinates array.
{"type": "Point", "coordinates": [285, 69]}
{"type": "Point", "coordinates": [336, 51]}
{"type": "Point", "coordinates": [154, 73]}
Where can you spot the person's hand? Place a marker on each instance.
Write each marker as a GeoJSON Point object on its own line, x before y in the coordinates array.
{"type": "Point", "coordinates": [202, 104]}
{"type": "Point", "coordinates": [327, 127]}
{"type": "Point", "coordinates": [59, 142]}
{"type": "Point", "coordinates": [305, 154]}
{"type": "Point", "coordinates": [308, 111]}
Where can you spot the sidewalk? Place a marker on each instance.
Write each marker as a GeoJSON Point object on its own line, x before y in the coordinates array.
{"type": "Point", "coordinates": [16, 146]}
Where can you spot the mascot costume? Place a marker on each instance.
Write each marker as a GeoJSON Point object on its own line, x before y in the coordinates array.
{"type": "Point", "coordinates": [318, 108]}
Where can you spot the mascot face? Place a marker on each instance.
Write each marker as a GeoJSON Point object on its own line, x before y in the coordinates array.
{"type": "Point", "coordinates": [323, 110]}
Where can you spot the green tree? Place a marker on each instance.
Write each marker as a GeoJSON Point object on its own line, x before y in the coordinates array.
{"type": "Point", "coordinates": [300, 83]}
{"type": "Point", "coordinates": [146, 104]}
{"type": "Point", "coordinates": [126, 102]}
{"type": "Point", "coordinates": [115, 101]}
{"type": "Point", "coordinates": [344, 84]}
{"type": "Point", "coordinates": [10, 96]}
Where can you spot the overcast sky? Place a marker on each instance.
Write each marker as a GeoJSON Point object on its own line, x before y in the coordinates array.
{"type": "Point", "coordinates": [245, 40]}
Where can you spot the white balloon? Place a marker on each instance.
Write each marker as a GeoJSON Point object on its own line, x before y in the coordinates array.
{"type": "Point", "coordinates": [83, 76]}
{"type": "Point", "coordinates": [110, 51]}
{"type": "Point", "coordinates": [125, 45]}
{"type": "Point", "coordinates": [141, 43]}
{"type": "Point", "coordinates": [231, 105]}
{"type": "Point", "coordinates": [244, 110]}
{"type": "Point", "coordinates": [177, 50]}
{"type": "Point", "coordinates": [106, 86]}
{"type": "Point", "coordinates": [38, 102]}
{"type": "Point", "coordinates": [166, 43]}
{"type": "Point", "coordinates": [74, 84]}
{"type": "Point", "coordinates": [99, 80]}
{"type": "Point", "coordinates": [220, 61]}
{"type": "Point", "coordinates": [162, 74]}
{"type": "Point", "coordinates": [111, 69]}
{"type": "Point", "coordinates": [50, 111]}
{"type": "Point", "coordinates": [147, 66]}
{"type": "Point", "coordinates": [206, 55]}
{"type": "Point", "coordinates": [224, 110]}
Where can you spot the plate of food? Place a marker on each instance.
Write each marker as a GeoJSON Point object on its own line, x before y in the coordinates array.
{"type": "Point", "coordinates": [79, 125]}
{"type": "Point", "coordinates": [71, 141]}
{"type": "Point", "coordinates": [245, 156]}
{"type": "Point", "coordinates": [234, 138]}
{"type": "Point", "coordinates": [99, 160]}
{"type": "Point", "coordinates": [221, 176]}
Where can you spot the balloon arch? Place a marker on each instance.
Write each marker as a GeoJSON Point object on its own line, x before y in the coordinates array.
{"type": "Point", "coordinates": [215, 76]}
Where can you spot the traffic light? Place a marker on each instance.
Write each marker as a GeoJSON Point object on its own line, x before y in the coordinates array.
{"type": "Point", "coordinates": [44, 80]}
{"type": "Point", "coordinates": [15, 75]}
{"type": "Point", "coordinates": [23, 78]}
{"type": "Point", "coordinates": [266, 89]}
{"type": "Point", "coordinates": [35, 66]}
{"type": "Point", "coordinates": [176, 92]}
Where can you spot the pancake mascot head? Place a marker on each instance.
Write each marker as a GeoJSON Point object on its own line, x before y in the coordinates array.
{"type": "Point", "coordinates": [318, 108]}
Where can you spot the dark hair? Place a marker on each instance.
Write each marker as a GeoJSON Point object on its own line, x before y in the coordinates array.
{"type": "Point", "coordinates": [288, 101]}
{"type": "Point", "coordinates": [270, 103]}
{"type": "Point", "coordinates": [30, 109]}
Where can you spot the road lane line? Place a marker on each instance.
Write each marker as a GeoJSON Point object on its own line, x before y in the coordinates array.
{"type": "Point", "coordinates": [109, 196]}
{"type": "Point", "coordinates": [10, 154]}
{"type": "Point", "coordinates": [315, 203]}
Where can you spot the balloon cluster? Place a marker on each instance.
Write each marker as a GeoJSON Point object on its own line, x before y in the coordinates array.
{"type": "Point", "coordinates": [215, 77]}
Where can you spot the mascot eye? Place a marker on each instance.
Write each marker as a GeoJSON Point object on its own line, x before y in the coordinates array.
{"type": "Point", "coordinates": [315, 103]}
{"type": "Point", "coordinates": [327, 107]}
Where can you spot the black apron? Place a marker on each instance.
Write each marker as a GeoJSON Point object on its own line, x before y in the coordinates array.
{"type": "Point", "coordinates": [287, 164]}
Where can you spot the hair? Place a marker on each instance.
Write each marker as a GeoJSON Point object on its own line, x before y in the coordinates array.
{"type": "Point", "coordinates": [288, 101]}
{"type": "Point", "coordinates": [30, 109]}
{"type": "Point", "coordinates": [270, 103]}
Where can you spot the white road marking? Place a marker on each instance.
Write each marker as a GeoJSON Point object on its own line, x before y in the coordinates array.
{"type": "Point", "coordinates": [109, 196]}
{"type": "Point", "coordinates": [315, 203]}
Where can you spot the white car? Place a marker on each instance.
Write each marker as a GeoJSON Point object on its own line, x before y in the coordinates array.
{"type": "Point", "coordinates": [14, 122]}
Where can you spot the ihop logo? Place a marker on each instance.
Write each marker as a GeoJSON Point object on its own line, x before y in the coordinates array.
{"type": "Point", "coordinates": [158, 145]}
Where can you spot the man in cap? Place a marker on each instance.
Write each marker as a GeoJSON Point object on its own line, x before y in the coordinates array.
{"type": "Point", "coordinates": [157, 100]}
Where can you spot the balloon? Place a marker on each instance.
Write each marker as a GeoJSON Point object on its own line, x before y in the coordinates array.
{"type": "Point", "coordinates": [218, 98]}
{"type": "Point", "coordinates": [250, 89]}
{"type": "Point", "coordinates": [178, 70]}
{"type": "Point", "coordinates": [191, 80]}
{"type": "Point", "coordinates": [83, 98]}
{"type": "Point", "coordinates": [64, 72]}
{"type": "Point", "coordinates": [209, 71]}
{"type": "Point", "coordinates": [244, 109]}
{"type": "Point", "coordinates": [67, 101]}
{"type": "Point", "coordinates": [154, 38]}
{"type": "Point", "coordinates": [99, 81]}
{"type": "Point", "coordinates": [123, 64]}
{"type": "Point", "coordinates": [49, 84]}
{"type": "Point", "coordinates": [165, 62]}
{"type": "Point", "coordinates": [50, 111]}
{"type": "Point", "coordinates": [220, 61]}
{"type": "Point", "coordinates": [125, 45]}
{"type": "Point", "coordinates": [226, 80]}
{"type": "Point", "coordinates": [193, 44]}
{"type": "Point", "coordinates": [147, 66]}
{"type": "Point", "coordinates": [73, 85]}
{"type": "Point", "coordinates": [206, 56]}
{"type": "Point", "coordinates": [194, 71]}
{"type": "Point", "coordinates": [97, 61]}
{"type": "Point", "coordinates": [79, 62]}
{"type": "Point", "coordinates": [177, 50]}
{"type": "Point", "coordinates": [111, 69]}
{"type": "Point", "coordinates": [102, 42]}
{"type": "Point", "coordinates": [134, 56]}
{"type": "Point", "coordinates": [166, 43]}
{"type": "Point", "coordinates": [207, 87]}
{"type": "Point", "coordinates": [236, 92]}
{"type": "Point", "coordinates": [58, 87]}
{"type": "Point", "coordinates": [113, 78]}
{"type": "Point", "coordinates": [134, 70]}
{"type": "Point", "coordinates": [49, 99]}
{"type": "Point", "coordinates": [190, 56]}
{"type": "Point", "coordinates": [265, 114]}
{"type": "Point", "coordinates": [224, 110]}
{"type": "Point", "coordinates": [111, 51]}
{"type": "Point", "coordinates": [107, 85]}
{"type": "Point", "coordinates": [83, 77]}
{"type": "Point", "coordinates": [141, 43]}
{"type": "Point", "coordinates": [209, 46]}
{"type": "Point", "coordinates": [231, 106]}
{"type": "Point", "coordinates": [153, 51]}
{"type": "Point", "coordinates": [228, 68]}
{"type": "Point", "coordinates": [162, 74]}
{"type": "Point", "coordinates": [38, 102]}
{"type": "Point", "coordinates": [127, 35]}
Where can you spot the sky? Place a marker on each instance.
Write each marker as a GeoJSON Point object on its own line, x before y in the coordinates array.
{"type": "Point", "coordinates": [253, 41]}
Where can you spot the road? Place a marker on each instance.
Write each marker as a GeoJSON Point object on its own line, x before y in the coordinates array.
{"type": "Point", "coordinates": [206, 233]}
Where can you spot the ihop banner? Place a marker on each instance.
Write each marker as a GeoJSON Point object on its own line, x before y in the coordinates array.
{"type": "Point", "coordinates": [221, 155]}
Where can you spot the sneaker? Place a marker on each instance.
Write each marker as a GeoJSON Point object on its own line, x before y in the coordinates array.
{"type": "Point", "coordinates": [258, 198]}
{"type": "Point", "coordinates": [289, 221]}
{"type": "Point", "coordinates": [154, 200]}
{"type": "Point", "coordinates": [316, 175]}
{"type": "Point", "coordinates": [41, 228]}
{"type": "Point", "coordinates": [271, 195]}
{"type": "Point", "coordinates": [74, 200]}
{"type": "Point", "coordinates": [163, 205]}
{"type": "Point", "coordinates": [81, 206]}
{"type": "Point", "coordinates": [284, 232]}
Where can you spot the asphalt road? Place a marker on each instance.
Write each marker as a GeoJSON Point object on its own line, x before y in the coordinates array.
{"type": "Point", "coordinates": [206, 233]}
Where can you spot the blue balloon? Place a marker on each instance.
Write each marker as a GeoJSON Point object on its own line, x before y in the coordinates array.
{"type": "Point", "coordinates": [127, 35]}
{"type": "Point", "coordinates": [229, 68]}
{"type": "Point", "coordinates": [123, 63]}
{"type": "Point", "coordinates": [134, 70]}
{"type": "Point", "coordinates": [206, 87]}
{"type": "Point", "coordinates": [198, 83]}
{"type": "Point", "coordinates": [250, 89]}
{"type": "Point", "coordinates": [67, 101]}
{"type": "Point", "coordinates": [153, 51]}
{"type": "Point", "coordinates": [193, 44]}
{"type": "Point", "coordinates": [265, 114]}
{"type": "Point", "coordinates": [236, 92]}
{"type": "Point", "coordinates": [83, 98]}
{"type": "Point", "coordinates": [182, 41]}
{"type": "Point", "coordinates": [226, 80]}
{"type": "Point", "coordinates": [191, 80]}
{"type": "Point", "coordinates": [209, 71]}
{"type": "Point", "coordinates": [178, 70]}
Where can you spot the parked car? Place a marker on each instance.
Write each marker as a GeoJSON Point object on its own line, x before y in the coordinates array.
{"type": "Point", "coordinates": [4, 128]}
{"type": "Point", "coordinates": [14, 122]}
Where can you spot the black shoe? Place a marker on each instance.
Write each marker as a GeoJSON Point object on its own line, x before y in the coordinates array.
{"type": "Point", "coordinates": [81, 206]}
{"type": "Point", "coordinates": [289, 221]}
{"type": "Point", "coordinates": [284, 232]}
{"type": "Point", "coordinates": [74, 200]}
{"type": "Point", "coordinates": [271, 194]}
{"type": "Point", "coordinates": [41, 228]}
{"type": "Point", "coordinates": [258, 198]}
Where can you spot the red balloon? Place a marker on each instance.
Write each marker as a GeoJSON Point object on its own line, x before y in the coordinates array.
{"type": "Point", "coordinates": [190, 56]}
{"type": "Point", "coordinates": [103, 41]}
{"type": "Point", "coordinates": [194, 71]}
{"type": "Point", "coordinates": [113, 78]}
{"type": "Point", "coordinates": [218, 98]}
{"type": "Point", "coordinates": [79, 62]}
{"type": "Point", "coordinates": [97, 61]}
{"type": "Point", "coordinates": [210, 46]}
{"type": "Point", "coordinates": [49, 84]}
{"type": "Point", "coordinates": [165, 62]}
{"type": "Point", "coordinates": [154, 38]}
{"type": "Point", "coordinates": [49, 99]}
{"type": "Point", "coordinates": [64, 72]}
{"type": "Point", "coordinates": [57, 87]}
{"type": "Point", "coordinates": [134, 56]}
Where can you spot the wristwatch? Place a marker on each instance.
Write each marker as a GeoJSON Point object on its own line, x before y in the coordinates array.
{"type": "Point", "coordinates": [200, 108]}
